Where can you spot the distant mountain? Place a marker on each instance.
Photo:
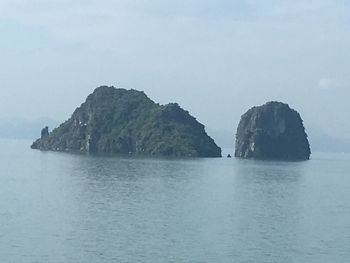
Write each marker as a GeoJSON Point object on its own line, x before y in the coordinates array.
{"type": "Point", "coordinates": [322, 142]}
{"type": "Point", "coordinates": [17, 128]}
{"type": "Point", "coordinates": [115, 120]}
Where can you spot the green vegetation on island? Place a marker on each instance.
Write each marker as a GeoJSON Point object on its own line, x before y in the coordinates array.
{"type": "Point", "coordinates": [124, 121]}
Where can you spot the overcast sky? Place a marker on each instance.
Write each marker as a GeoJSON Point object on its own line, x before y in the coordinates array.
{"type": "Point", "coordinates": [215, 58]}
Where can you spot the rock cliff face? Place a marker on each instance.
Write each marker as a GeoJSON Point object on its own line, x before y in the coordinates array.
{"type": "Point", "coordinates": [126, 121]}
{"type": "Point", "coordinates": [272, 131]}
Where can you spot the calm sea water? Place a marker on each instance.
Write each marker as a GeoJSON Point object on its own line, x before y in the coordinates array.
{"type": "Point", "coordinates": [59, 207]}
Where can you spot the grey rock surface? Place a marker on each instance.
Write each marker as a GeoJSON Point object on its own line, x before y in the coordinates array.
{"type": "Point", "coordinates": [272, 131]}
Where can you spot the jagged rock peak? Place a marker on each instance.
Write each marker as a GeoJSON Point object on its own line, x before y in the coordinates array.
{"type": "Point", "coordinates": [44, 132]}
{"type": "Point", "coordinates": [272, 131]}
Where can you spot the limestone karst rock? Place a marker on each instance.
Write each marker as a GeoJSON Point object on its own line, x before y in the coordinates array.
{"type": "Point", "coordinates": [44, 132]}
{"type": "Point", "coordinates": [272, 131]}
{"type": "Point", "coordinates": [115, 120]}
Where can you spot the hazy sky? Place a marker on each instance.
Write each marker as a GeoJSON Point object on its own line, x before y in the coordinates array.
{"type": "Point", "coordinates": [215, 58]}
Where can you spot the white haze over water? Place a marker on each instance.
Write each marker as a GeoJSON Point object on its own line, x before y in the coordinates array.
{"type": "Point", "coordinates": [215, 58]}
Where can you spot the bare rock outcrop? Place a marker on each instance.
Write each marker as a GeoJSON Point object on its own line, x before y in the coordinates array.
{"type": "Point", "coordinates": [272, 131]}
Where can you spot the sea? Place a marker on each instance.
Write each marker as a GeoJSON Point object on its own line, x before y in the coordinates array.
{"type": "Point", "coordinates": [64, 207]}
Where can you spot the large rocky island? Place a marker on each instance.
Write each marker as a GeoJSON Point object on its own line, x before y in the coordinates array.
{"type": "Point", "coordinates": [272, 131]}
{"type": "Point", "coordinates": [124, 121]}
